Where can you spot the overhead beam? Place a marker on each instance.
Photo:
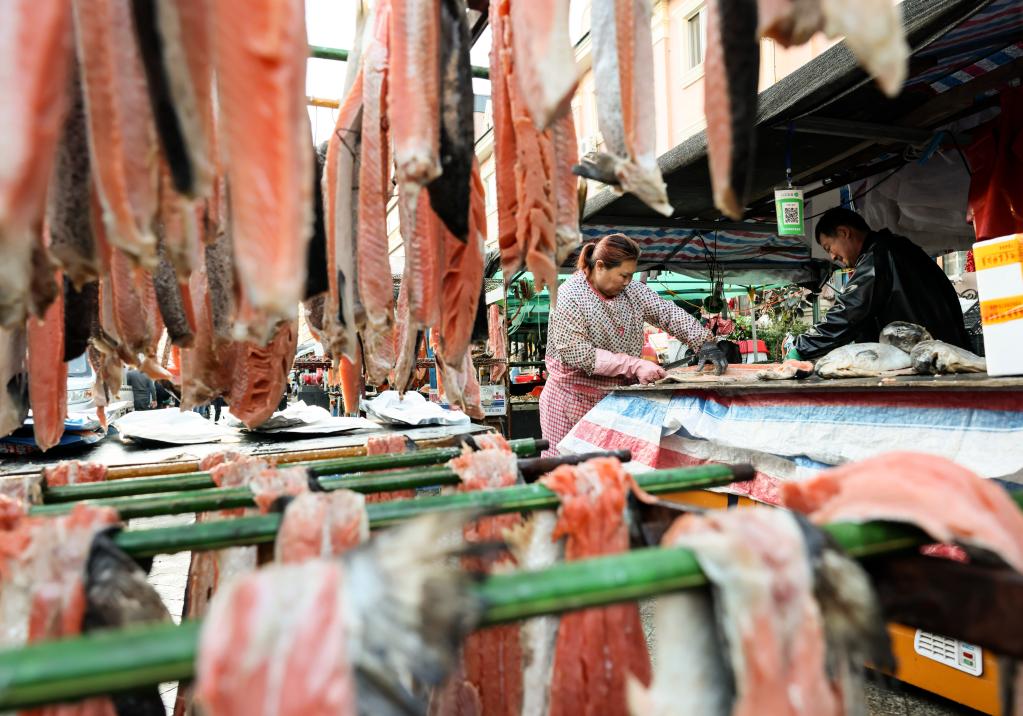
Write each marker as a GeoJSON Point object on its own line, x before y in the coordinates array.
{"type": "Point", "coordinates": [642, 222]}
{"type": "Point", "coordinates": [336, 53]}
{"type": "Point", "coordinates": [859, 130]}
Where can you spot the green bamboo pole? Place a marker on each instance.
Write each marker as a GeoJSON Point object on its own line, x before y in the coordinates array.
{"type": "Point", "coordinates": [112, 661]}
{"type": "Point", "coordinates": [336, 53]}
{"type": "Point", "coordinates": [263, 528]}
{"type": "Point", "coordinates": [321, 468]}
{"type": "Point", "coordinates": [226, 498]}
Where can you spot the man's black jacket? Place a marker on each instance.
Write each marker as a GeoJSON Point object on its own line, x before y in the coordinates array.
{"type": "Point", "coordinates": [893, 280]}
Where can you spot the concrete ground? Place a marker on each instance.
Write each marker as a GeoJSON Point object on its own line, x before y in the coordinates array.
{"type": "Point", "coordinates": [170, 572]}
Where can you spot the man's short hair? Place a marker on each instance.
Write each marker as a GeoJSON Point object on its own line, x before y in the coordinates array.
{"type": "Point", "coordinates": [839, 216]}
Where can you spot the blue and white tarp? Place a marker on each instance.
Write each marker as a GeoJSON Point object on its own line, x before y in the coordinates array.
{"type": "Point", "coordinates": [795, 435]}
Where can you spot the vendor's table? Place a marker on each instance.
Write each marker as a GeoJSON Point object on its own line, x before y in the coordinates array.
{"type": "Point", "coordinates": [790, 430]}
{"type": "Point", "coordinates": [113, 452]}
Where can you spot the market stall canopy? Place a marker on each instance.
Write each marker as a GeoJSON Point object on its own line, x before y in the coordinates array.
{"type": "Point", "coordinates": [843, 129]}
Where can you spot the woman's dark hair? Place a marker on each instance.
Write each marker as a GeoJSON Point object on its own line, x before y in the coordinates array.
{"type": "Point", "coordinates": [613, 250]}
{"type": "Point", "coordinates": [839, 216]}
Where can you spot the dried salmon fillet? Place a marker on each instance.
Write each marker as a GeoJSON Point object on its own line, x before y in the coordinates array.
{"type": "Point", "coordinates": [122, 137]}
{"type": "Point", "coordinates": [764, 600]}
{"type": "Point", "coordinates": [74, 472]}
{"type": "Point", "coordinates": [497, 342]}
{"type": "Point", "coordinates": [340, 204]}
{"type": "Point", "coordinates": [47, 379]}
{"type": "Point", "coordinates": [547, 75]}
{"type": "Point", "coordinates": [534, 163]}
{"type": "Point", "coordinates": [374, 269]}
{"type": "Point", "coordinates": [596, 648]}
{"type": "Point", "coordinates": [732, 67]}
{"type": "Point", "coordinates": [623, 69]}
{"type": "Point", "coordinates": [321, 524]}
{"type": "Point", "coordinates": [36, 48]}
{"type": "Point", "coordinates": [207, 365]}
{"type": "Point", "coordinates": [424, 257]}
{"type": "Point", "coordinates": [491, 658]}
{"type": "Point", "coordinates": [262, 52]}
{"type": "Point", "coordinates": [945, 500]}
{"type": "Point", "coordinates": [260, 375]}
{"type": "Point", "coordinates": [406, 336]}
{"type": "Point", "coordinates": [413, 85]}
{"type": "Point", "coordinates": [513, 254]}
{"type": "Point", "coordinates": [566, 188]}
{"type": "Point", "coordinates": [382, 445]}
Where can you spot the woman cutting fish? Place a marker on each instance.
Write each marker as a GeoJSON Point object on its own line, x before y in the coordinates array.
{"type": "Point", "coordinates": [595, 335]}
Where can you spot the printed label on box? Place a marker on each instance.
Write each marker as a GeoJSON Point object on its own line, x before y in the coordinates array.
{"type": "Point", "coordinates": [998, 253]}
{"type": "Point", "coordinates": [1001, 310]}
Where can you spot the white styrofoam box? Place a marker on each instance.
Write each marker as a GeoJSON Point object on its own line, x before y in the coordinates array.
{"type": "Point", "coordinates": [999, 265]}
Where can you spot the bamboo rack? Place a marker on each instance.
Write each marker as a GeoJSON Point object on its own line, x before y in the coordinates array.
{"type": "Point", "coordinates": [226, 498]}
{"type": "Point", "coordinates": [260, 529]}
{"type": "Point", "coordinates": [319, 467]}
{"type": "Point", "coordinates": [113, 661]}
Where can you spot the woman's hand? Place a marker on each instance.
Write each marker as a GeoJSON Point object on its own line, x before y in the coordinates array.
{"type": "Point", "coordinates": [647, 372]}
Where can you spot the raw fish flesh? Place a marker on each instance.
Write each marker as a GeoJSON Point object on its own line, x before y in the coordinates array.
{"type": "Point", "coordinates": [862, 360]}
{"type": "Point", "coordinates": [262, 52]}
{"type": "Point", "coordinates": [36, 48]}
{"type": "Point", "coordinates": [732, 70]}
{"type": "Point", "coordinates": [623, 67]}
{"type": "Point", "coordinates": [321, 524]}
{"type": "Point", "coordinates": [207, 365]}
{"type": "Point", "coordinates": [271, 484]}
{"type": "Point", "coordinates": [47, 379]}
{"type": "Point", "coordinates": [376, 287]}
{"type": "Point", "coordinates": [788, 370]}
{"type": "Point", "coordinates": [335, 637]}
{"type": "Point", "coordinates": [945, 500]}
{"type": "Point", "coordinates": [13, 379]}
{"type": "Point", "coordinates": [68, 212]}
{"type": "Point", "coordinates": [406, 337]}
{"type": "Point", "coordinates": [547, 75]}
{"type": "Point", "coordinates": [122, 137]}
{"type": "Point", "coordinates": [449, 192]}
{"type": "Point", "coordinates": [497, 342]}
{"type": "Point", "coordinates": [566, 188]}
{"type": "Point", "coordinates": [939, 358]}
{"type": "Point", "coordinates": [383, 445]}
{"type": "Point", "coordinates": [17, 494]}
{"type": "Point", "coordinates": [596, 648]}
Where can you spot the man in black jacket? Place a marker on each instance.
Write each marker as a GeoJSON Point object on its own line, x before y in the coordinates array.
{"type": "Point", "coordinates": [893, 280]}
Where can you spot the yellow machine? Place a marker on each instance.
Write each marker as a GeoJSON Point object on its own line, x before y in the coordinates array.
{"type": "Point", "coordinates": [977, 690]}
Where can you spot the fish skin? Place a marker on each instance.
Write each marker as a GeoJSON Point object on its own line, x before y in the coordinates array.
{"type": "Point", "coordinates": [260, 374]}
{"type": "Point", "coordinates": [179, 76]}
{"type": "Point", "coordinates": [862, 360]}
{"type": "Point", "coordinates": [36, 49]}
{"type": "Point", "coordinates": [177, 228]}
{"type": "Point", "coordinates": [343, 313]}
{"type": "Point", "coordinates": [220, 277]}
{"type": "Point", "coordinates": [374, 271]}
{"type": "Point", "coordinates": [68, 207]}
{"type": "Point", "coordinates": [80, 311]}
{"type": "Point", "coordinates": [903, 335]}
{"type": "Point", "coordinates": [513, 254]}
{"type": "Point", "coordinates": [43, 290]}
{"type": "Point", "coordinates": [316, 282]}
{"type": "Point", "coordinates": [461, 283]}
{"type": "Point", "coordinates": [424, 257]}
{"type": "Point", "coordinates": [47, 381]}
{"type": "Point", "coordinates": [731, 67]}
{"type": "Point", "coordinates": [449, 193]}
{"type": "Point", "coordinates": [548, 80]}
{"type": "Point", "coordinates": [413, 85]}
{"type": "Point", "coordinates": [262, 52]}
{"type": "Point", "coordinates": [171, 302]}
{"type": "Point", "coordinates": [13, 379]}
{"type": "Point", "coordinates": [122, 136]}
{"type": "Point", "coordinates": [532, 546]}
{"type": "Point", "coordinates": [623, 68]}
{"type": "Point", "coordinates": [406, 338]}
{"type": "Point", "coordinates": [207, 365]}
{"type": "Point", "coordinates": [497, 342]}
{"type": "Point", "coordinates": [566, 188]}
{"type": "Point", "coordinates": [873, 32]}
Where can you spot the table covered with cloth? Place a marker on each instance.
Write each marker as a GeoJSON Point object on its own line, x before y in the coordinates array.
{"type": "Point", "coordinates": [792, 435]}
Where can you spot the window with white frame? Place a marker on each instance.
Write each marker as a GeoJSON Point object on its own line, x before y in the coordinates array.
{"type": "Point", "coordinates": [696, 38]}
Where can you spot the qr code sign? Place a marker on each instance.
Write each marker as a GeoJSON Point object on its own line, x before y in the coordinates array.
{"type": "Point", "coordinates": [790, 213]}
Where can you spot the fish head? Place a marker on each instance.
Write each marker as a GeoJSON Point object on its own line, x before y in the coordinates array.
{"type": "Point", "coordinates": [904, 335]}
